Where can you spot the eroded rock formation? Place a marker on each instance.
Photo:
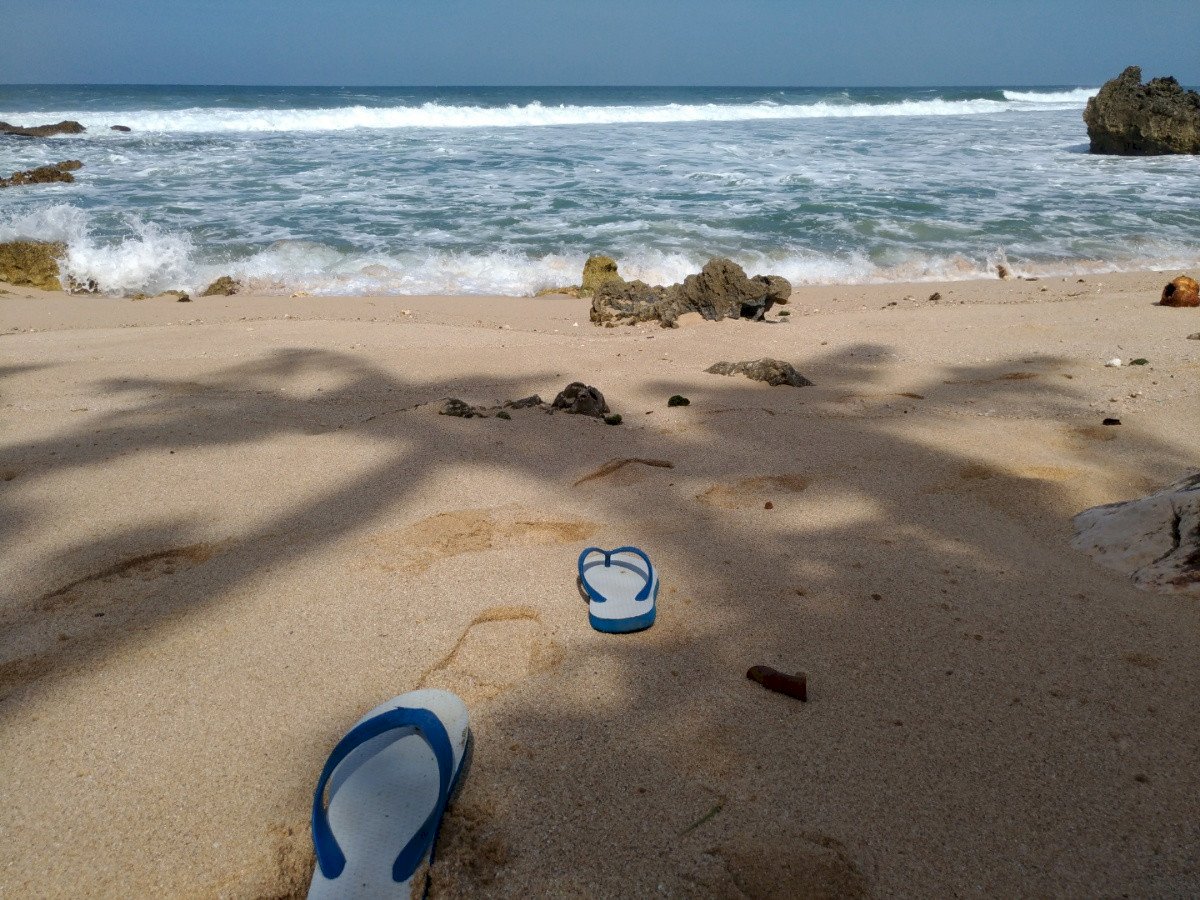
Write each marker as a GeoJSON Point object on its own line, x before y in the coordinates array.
{"type": "Point", "coordinates": [44, 174]}
{"type": "Point", "coordinates": [1155, 540]}
{"type": "Point", "coordinates": [67, 126]}
{"type": "Point", "coordinates": [1133, 119]}
{"type": "Point", "coordinates": [721, 290]}
{"type": "Point", "coordinates": [32, 262]}
{"type": "Point", "coordinates": [773, 371]}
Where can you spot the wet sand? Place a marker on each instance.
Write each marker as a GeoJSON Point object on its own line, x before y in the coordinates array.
{"type": "Point", "coordinates": [230, 527]}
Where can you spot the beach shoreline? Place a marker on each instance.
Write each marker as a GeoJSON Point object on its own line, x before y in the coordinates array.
{"type": "Point", "coordinates": [232, 525]}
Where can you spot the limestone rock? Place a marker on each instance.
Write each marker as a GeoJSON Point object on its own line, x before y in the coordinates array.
{"type": "Point", "coordinates": [627, 302]}
{"type": "Point", "coordinates": [1134, 119]}
{"type": "Point", "coordinates": [582, 400]}
{"type": "Point", "coordinates": [721, 290]}
{"type": "Point", "coordinates": [224, 286]}
{"type": "Point", "coordinates": [773, 371]}
{"type": "Point", "coordinates": [44, 174]}
{"type": "Point", "coordinates": [1155, 540]}
{"type": "Point", "coordinates": [571, 291]}
{"type": "Point", "coordinates": [1183, 291]}
{"type": "Point", "coordinates": [32, 262]}
{"type": "Point", "coordinates": [67, 126]}
{"type": "Point", "coordinates": [596, 271]}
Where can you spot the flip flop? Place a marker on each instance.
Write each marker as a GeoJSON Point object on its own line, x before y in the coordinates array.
{"type": "Point", "coordinates": [389, 779]}
{"type": "Point", "coordinates": [621, 586]}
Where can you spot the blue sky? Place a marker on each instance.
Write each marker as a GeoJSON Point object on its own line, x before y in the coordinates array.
{"type": "Point", "coordinates": [529, 42]}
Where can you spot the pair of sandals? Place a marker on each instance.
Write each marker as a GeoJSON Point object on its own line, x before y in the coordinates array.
{"type": "Point", "coordinates": [387, 783]}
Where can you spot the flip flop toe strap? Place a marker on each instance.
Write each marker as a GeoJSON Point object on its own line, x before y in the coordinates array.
{"type": "Point", "coordinates": [643, 594]}
{"type": "Point", "coordinates": [425, 725]}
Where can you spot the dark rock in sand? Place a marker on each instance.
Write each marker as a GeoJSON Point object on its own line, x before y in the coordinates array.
{"type": "Point", "coordinates": [1129, 118]}
{"type": "Point", "coordinates": [525, 402]}
{"type": "Point", "coordinates": [459, 408]}
{"type": "Point", "coordinates": [32, 262]}
{"type": "Point", "coordinates": [120, 128]}
{"type": "Point", "coordinates": [224, 286]}
{"type": "Point", "coordinates": [721, 290]}
{"type": "Point", "coordinates": [44, 174]}
{"type": "Point", "coordinates": [581, 399]}
{"type": "Point", "coordinates": [67, 126]}
{"type": "Point", "coordinates": [1183, 291]}
{"type": "Point", "coordinates": [773, 371]}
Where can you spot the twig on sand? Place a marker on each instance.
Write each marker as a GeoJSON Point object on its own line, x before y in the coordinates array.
{"type": "Point", "coordinates": [704, 818]}
{"type": "Point", "coordinates": [613, 464]}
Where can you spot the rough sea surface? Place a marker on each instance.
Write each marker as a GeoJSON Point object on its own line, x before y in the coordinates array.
{"type": "Point", "coordinates": [507, 190]}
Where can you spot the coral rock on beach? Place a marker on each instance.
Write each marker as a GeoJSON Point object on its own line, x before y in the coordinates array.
{"type": "Point", "coordinates": [32, 262]}
{"type": "Point", "coordinates": [225, 286]}
{"type": "Point", "coordinates": [1183, 291]}
{"type": "Point", "coordinates": [721, 290]}
{"type": "Point", "coordinates": [1129, 118]}
{"type": "Point", "coordinates": [581, 399]}
{"type": "Point", "coordinates": [67, 126]}
{"type": "Point", "coordinates": [44, 174]}
{"type": "Point", "coordinates": [596, 271]}
{"type": "Point", "coordinates": [1155, 540]}
{"type": "Point", "coordinates": [773, 371]}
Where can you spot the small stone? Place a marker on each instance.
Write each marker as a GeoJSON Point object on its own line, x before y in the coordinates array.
{"type": "Point", "coordinates": [1002, 270]}
{"type": "Point", "coordinates": [183, 298]}
{"type": "Point", "coordinates": [458, 408]}
{"type": "Point", "coordinates": [678, 400]}
{"type": "Point", "coordinates": [1111, 422]}
{"type": "Point", "coordinates": [1114, 363]}
{"type": "Point", "coordinates": [503, 414]}
{"type": "Point", "coordinates": [1195, 336]}
{"type": "Point", "coordinates": [768, 505]}
{"type": "Point", "coordinates": [124, 128]}
{"type": "Point", "coordinates": [935, 297]}
{"type": "Point", "coordinates": [1140, 361]}
{"type": "Point", "coordinates": [612, 419]}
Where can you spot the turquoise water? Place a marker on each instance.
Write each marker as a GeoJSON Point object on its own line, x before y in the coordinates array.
{"type": "Point", "coordinates": [507, 190]}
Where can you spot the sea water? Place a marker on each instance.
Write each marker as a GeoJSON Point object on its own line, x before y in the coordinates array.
{"type": "Point", "coordinates": [508, 190]}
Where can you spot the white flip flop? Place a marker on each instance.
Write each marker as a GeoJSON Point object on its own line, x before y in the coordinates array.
{"type": "Point", "coordinates": [622, 589]}
{"type": "Point", "coordinates": [389, 780]}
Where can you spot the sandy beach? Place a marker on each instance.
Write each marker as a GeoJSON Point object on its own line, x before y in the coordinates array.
{"type": "Point", "coordinates": [232, 526]}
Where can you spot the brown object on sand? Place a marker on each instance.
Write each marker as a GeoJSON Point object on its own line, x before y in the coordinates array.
{"type": "Point", "coordinates": [1183, 291]}
{"type": "Point", "coordinates": [225, 286]}
{"type": "Point", "coordinates": [774, 680]}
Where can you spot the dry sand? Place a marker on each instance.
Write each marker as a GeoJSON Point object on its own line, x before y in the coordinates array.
{"type": "Point", "coordinates": [232, 526]}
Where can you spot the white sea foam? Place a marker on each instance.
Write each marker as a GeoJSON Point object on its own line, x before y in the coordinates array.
{"type": "Point", "coordinates": [437, 115]}
{"type": "Point", "coordinates": [1075, 97]}
{"type": "Point", "coordinates": [148, 258]}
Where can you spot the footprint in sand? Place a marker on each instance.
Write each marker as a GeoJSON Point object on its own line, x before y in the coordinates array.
{"type": "Point", "coordinates": [501, 647]}
{"type": "Point", "coordinates": [750, 493]}
{"type": "Point", "coordinates": [805, 864]}
{"type": "Point", "coordinates": [28, 644]}
{"type": "Point", "coordinates": [414, 548]}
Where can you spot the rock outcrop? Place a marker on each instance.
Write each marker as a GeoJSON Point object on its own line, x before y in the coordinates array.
{"type": "Point", "coordinates": [124, 128]}
{"type": "Point", "coordinates": [32, 262]}
{"type": "Point", "coordinates": [225, 286]}
{"type": "Point", "coordinates": [1155, 540]}
{"type": "Point", "coordinates": [67, 126]}
{"type": "Point", "coordinates": [773, 371]}
{"type": "Point", "coordinates": [1183, 291]}
{"type": "Point", "coordinates": [721, 290]}
{"type": "Point", "coordinates": [581, 399]}
{"type": "Point", "coordinates": [576, 398]}
{"type": "Point", "coordinates": [44, 174]}
{"type": "Point", "coordinates": [1133, 119]}
{"type": "Point", "coordinates": [596, 271]}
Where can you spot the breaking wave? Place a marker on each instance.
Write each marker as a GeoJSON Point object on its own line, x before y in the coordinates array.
{"type": "Point", "coordinates": [440, 116]}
